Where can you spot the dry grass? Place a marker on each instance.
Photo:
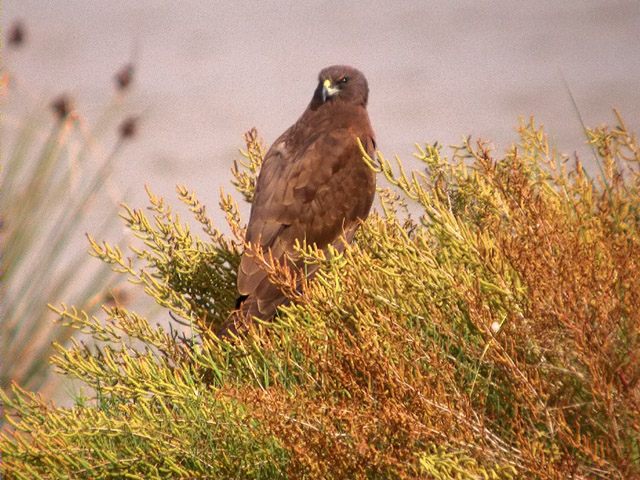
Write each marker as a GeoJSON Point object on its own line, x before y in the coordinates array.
{"type": "Point", "coordinates": [53, 171]}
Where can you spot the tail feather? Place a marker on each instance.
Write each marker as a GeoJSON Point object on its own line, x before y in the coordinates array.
{"type": "Point", "coordinates": [247, 308]}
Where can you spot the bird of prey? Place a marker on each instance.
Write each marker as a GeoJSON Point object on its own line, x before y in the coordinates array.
{"type": "Point", "coordinates": [313, 186]}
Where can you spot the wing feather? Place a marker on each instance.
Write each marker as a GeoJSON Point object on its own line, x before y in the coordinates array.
{"type": "Point", "coordinates": [316, 192]}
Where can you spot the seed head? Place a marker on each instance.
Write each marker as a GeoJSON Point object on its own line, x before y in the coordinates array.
{"type": "Point", "coordinates": [62, 106]}
{"type": "Point", "coordinates": [124, 77]}
{"type": "Point", "coordinates": [16, 35]}
{"type": "Point", "coordinates": [128, 128]}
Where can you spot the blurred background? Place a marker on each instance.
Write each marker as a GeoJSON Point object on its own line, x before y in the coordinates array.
{"type": "Point", "coordinates": [202, 73]}
{"type": "Point", "coordinates": [205, 72]}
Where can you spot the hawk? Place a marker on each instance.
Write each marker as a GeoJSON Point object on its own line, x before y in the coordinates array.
{"type": "Point", "coordinates": [313, 186]}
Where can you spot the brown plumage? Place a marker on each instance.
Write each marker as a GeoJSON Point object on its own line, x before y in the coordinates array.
{"type": "Point", "coordinates": [313, 186]}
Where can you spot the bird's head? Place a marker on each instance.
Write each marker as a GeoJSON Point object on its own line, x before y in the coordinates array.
{"type": "Point", "coordinates": [341, 83]}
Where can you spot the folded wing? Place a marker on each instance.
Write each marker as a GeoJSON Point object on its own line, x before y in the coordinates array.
{"type": "Point", "coordinates": [318, 192]}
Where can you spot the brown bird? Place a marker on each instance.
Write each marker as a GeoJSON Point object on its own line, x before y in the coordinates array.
{"type": "Point", "coordinates": [313, 187]}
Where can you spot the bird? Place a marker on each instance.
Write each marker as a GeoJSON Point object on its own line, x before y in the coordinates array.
{"type": "Point", "coordinates": [313, 187]}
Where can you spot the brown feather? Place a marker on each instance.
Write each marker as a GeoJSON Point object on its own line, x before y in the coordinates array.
{"type": "Point", "coordinates": [313, 187]}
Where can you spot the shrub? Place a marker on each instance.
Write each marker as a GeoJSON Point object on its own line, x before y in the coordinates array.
{"type": "Point", "coordinates": [484, 325]}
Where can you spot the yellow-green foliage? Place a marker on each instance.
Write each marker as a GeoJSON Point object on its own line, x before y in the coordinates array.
{"type": "Point", "coordinates": [490, 329]}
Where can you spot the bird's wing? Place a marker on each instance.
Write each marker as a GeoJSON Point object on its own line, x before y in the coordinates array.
{"type": "Point", "coordinates": [315, 192]}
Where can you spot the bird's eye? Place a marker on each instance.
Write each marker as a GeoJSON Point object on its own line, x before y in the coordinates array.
{"type": "Point", "coordinates": [344, 79]}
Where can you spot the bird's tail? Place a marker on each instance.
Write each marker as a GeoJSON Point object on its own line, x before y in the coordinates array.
{"type": "Point", "coordinates": [239, 319]}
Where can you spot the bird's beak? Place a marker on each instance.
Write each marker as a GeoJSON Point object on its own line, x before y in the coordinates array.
{"type": "Point", "coordinates": [328, 90]}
